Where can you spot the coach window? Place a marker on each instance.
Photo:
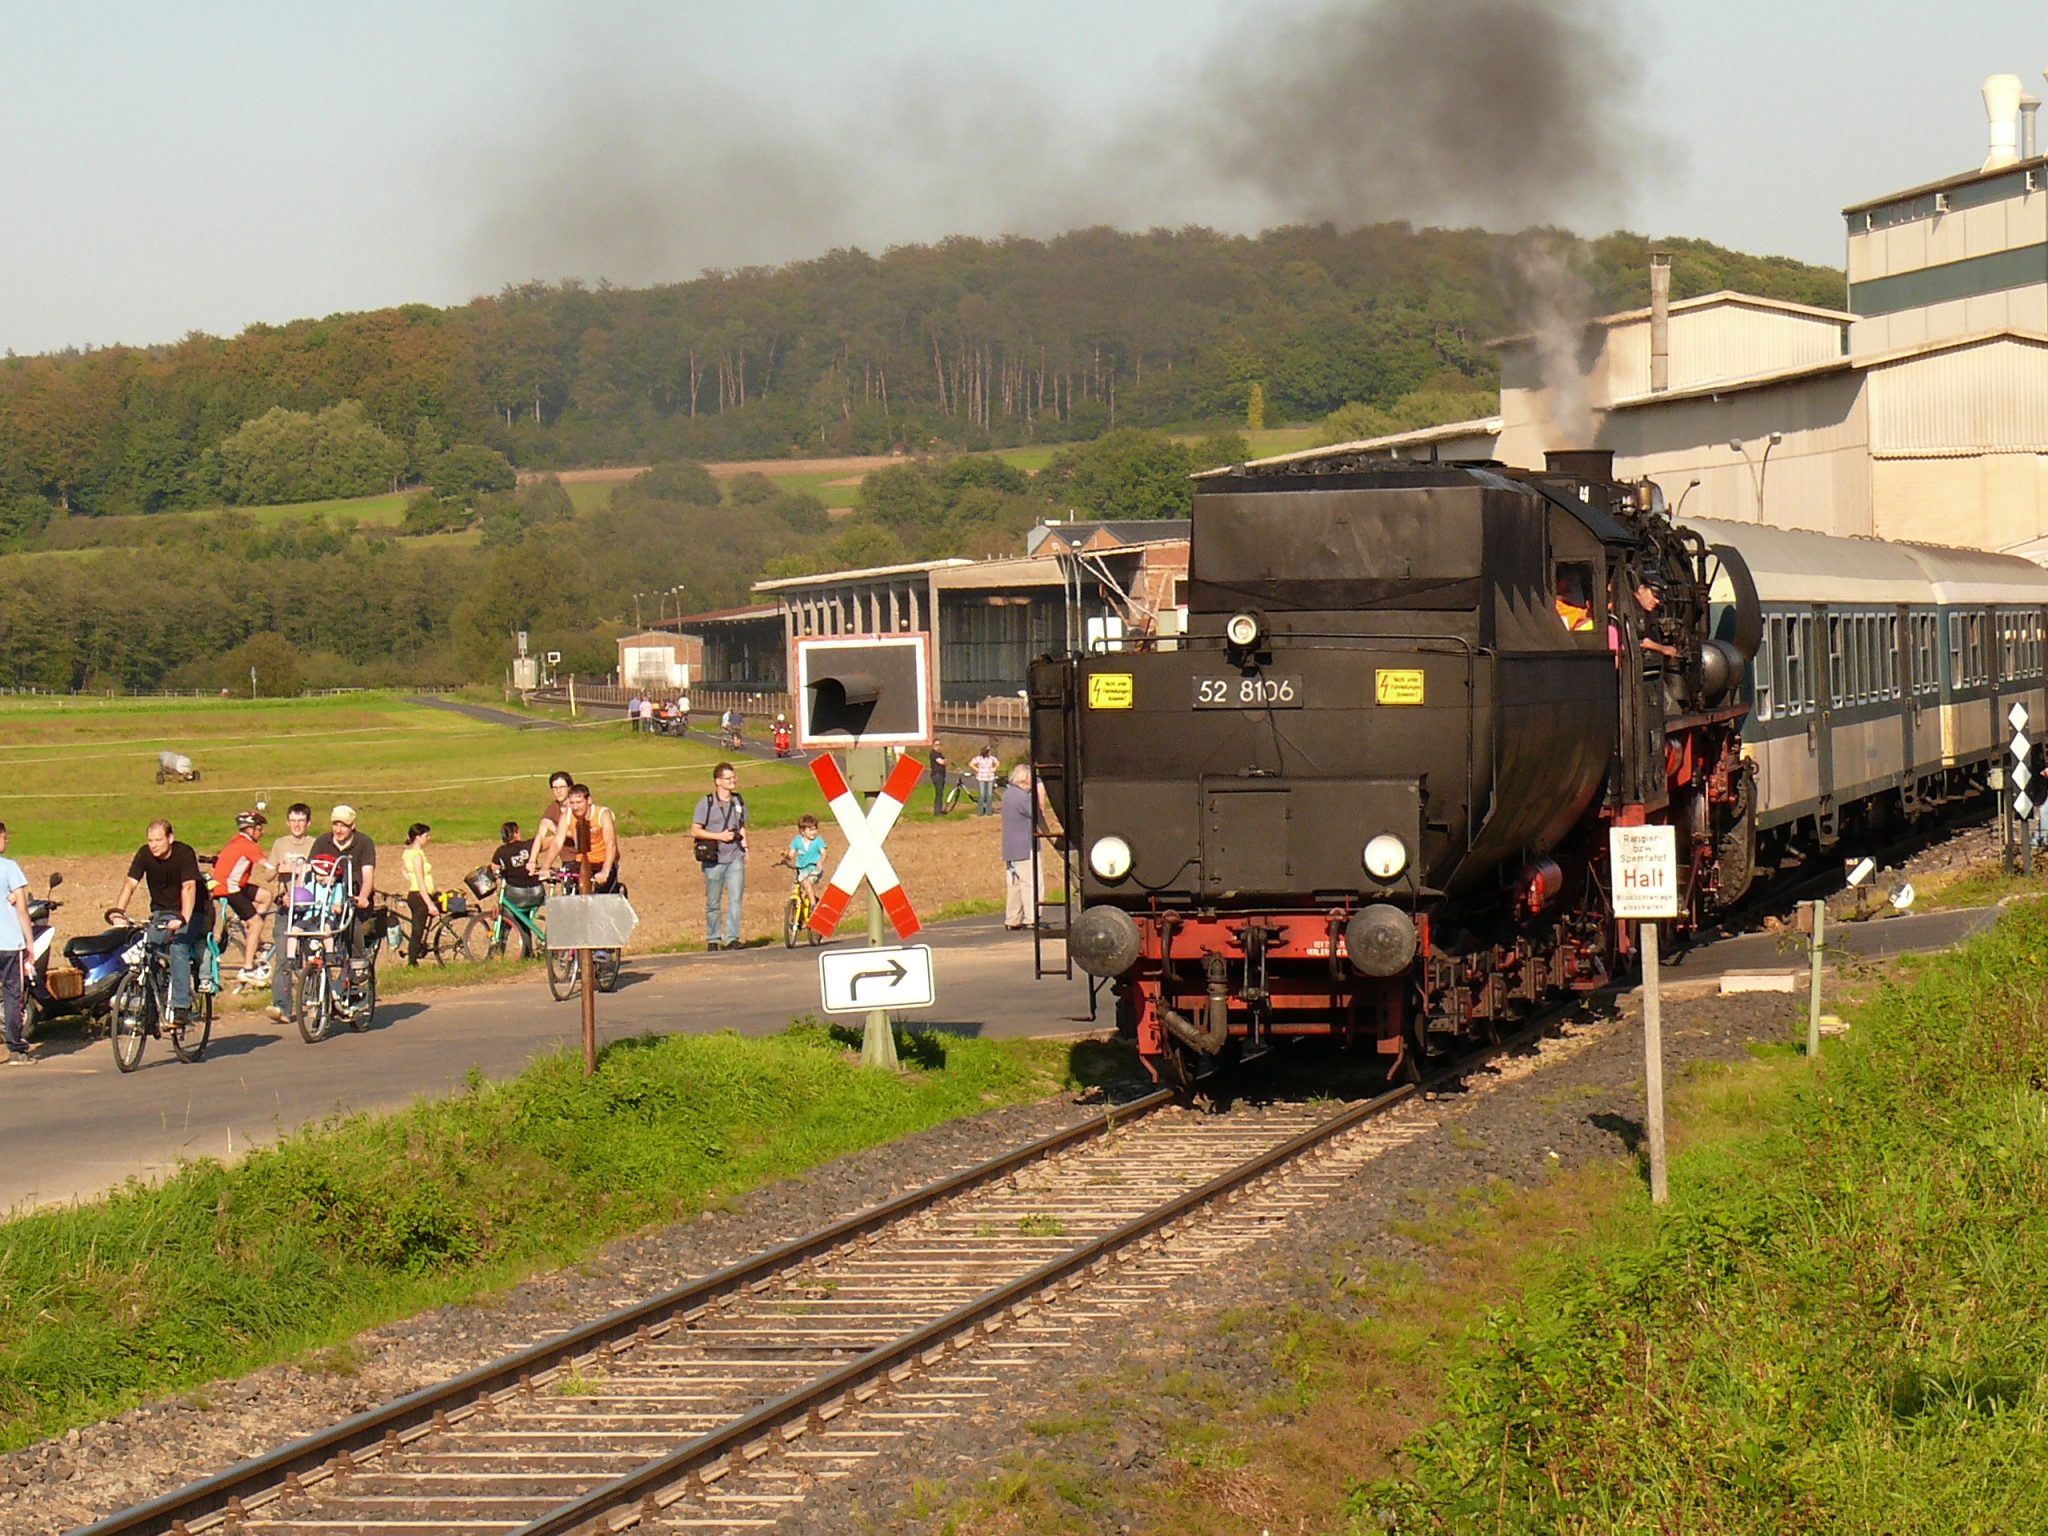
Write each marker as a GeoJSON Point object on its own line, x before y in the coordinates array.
{"type": "Point", "coordinates": [1798, 638]}
{"type": "Point", "coordinates": [1866, 652]}
{"type": "Point", "coordinates": [1771, 668]}
{"type": "Point", "coordinates": [1973, 649]}
{"type": "Point", "coordinates": [1834, 683]}
{"type": "Point", "coordinates": [1891, 656]}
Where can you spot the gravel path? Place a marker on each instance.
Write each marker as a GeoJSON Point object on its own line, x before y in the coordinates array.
{"type": "Point", "coordinates": [488, 715]}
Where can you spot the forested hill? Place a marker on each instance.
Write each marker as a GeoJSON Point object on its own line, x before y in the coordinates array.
{"type": "Point", "coordinates": [967, 344]}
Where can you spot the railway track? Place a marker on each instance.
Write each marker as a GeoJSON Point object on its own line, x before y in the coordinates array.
{"type": "Point", "coordinates": [716, 1405]}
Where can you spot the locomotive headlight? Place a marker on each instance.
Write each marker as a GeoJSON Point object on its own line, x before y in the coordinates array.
{"type": "Point", "coordinates": [1244, 630]}
{"type": "Point", "coordinates": [1110, 858]}
{"type": "Point", "coordinates": [1385, 857]}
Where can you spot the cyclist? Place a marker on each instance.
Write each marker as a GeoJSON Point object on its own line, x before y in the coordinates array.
{"type": "Point", "coordinates": [289, 853]}
{"type": "Point", "coordinates": [421, 895]}
{"type": "Point", "coordinates": [234, 886]}
{"type": "Point", "coordinates": [807, 852]}
{"type": "Point", "coordinates": [517, 887]}
{"type": "Point", "coordinates": [600, 851]}
{"type": "Point", "coordinates": [553, 829]}
{"type": "Point", "coordinates": [349, 859]}
{"type": "Point", "coordinates": [170, 869]}
{"type": "Point", "coordinates": [729, 726]}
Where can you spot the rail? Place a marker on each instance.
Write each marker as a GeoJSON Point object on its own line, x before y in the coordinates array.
{"type": "Point", "coordinates": [227, 1492]}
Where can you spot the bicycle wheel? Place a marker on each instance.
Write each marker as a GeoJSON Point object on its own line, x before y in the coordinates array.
{"type": "Point", "coordinates": [128, 1020]}
{"type": "Point", "coordinates": [475, 943]}
{"type": "Point", "coordinates": [189, 1043]}
{"type": "Point", "coordinates": [563, 977]}
{"type": "Point", "coordinates": [792, 921]}
{"type": "Point", "coordinates": [309, 1004]}
{"type": "Point", "coordinates": [952, 799]}
{"type": "Point", "coordinates": [447, 941]}
{"type": "Point", "coordinates": [605, 964]}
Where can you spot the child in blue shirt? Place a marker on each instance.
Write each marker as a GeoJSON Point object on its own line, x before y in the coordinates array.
{"type": "Point", "coordinates": [807, 851]}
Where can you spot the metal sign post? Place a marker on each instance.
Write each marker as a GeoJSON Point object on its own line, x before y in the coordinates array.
{"type": "Point", "coordinates": [586, 924]}
{"type": "Point", "coordinates": [2023, 806]}
{"type": "Point", "coordinates": [1643, 863]}
{"type": "Point", "coordinates": [868, 769]}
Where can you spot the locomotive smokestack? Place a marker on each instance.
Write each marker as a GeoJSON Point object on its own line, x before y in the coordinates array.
{"type": "Point", "coordinates": [1660, 322]}
{"type": "Point", "coordinates": [2002, 108]}
{"type": "Point", "coordinates": [1581, 463]}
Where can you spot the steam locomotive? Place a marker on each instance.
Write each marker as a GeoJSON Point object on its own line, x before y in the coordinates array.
{"type": "Point", "coordinates": [1366, 793]}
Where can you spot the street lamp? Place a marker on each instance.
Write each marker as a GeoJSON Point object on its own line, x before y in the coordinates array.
{"type": "Point", "coordinates": [1691, 486]}
{"type": "Point", "coordinates": [636, 609]}
{"type": "Point", "coordinates": [1758, 471]}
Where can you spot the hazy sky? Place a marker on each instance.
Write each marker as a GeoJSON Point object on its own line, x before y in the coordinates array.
{"type": "Point", "coordinates": [171, 167]}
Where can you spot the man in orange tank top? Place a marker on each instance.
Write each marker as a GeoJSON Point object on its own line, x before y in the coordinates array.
{"type": "Point", "coordinates": [601, 832]}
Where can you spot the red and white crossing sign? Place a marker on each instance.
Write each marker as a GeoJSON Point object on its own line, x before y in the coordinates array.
{"type": "Point", "coordinates": [865, 831]}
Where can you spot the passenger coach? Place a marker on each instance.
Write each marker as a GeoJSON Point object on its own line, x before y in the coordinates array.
{"type": "Point", "coordinates": [1884, 678]}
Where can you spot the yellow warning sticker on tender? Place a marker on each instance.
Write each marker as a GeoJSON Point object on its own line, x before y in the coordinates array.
{"type": "Point", "coordinates": [1397, 685]}
{"type": "Point", "coordinates": [1109, 690]}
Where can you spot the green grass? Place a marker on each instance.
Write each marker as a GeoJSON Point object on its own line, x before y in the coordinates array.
{"type": "Point", "coordinates": [1837, 1323]}
{"type": "Point", "coordinates": [300, 1246]}
{"type": "Point", "coordinates": [81, 772]}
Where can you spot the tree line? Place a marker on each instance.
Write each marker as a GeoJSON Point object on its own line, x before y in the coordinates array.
{"type": "Point", "coordinates": [204, 599]}
{"type": "Point", "coordinates": [959, 346]}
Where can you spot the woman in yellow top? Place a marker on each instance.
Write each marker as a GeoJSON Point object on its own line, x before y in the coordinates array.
{"type": "Point", "coordinates": [420, 890]}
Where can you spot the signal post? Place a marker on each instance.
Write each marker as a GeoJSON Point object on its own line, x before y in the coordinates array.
{"type": "Point", "coordinates": [867, 695]}
{"type": "Point", "coordinates": [1642, 864]}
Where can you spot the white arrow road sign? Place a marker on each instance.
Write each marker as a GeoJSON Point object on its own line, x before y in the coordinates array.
{"type": "Point", "coordinates": [895, 976]}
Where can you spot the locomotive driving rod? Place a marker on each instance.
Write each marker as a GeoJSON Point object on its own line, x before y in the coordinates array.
{"type": "Point", "coordinates": [1217, 1035]}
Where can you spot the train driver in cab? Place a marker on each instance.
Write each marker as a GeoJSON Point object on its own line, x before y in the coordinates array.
{"type": "Point", "coordinates": [1575, 597]}
{"type": "Point", "coordinates": [1647, 603]}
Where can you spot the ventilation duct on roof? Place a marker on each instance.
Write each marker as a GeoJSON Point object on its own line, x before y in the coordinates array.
{"type": "Point", "coordinates": [2002, 108]}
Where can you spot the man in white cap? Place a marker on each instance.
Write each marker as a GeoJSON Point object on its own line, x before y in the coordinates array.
{"type": "Point", "coordinates": [353, 858]}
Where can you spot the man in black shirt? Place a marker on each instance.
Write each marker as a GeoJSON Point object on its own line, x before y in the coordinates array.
{"type": "Point", "coordinates": [355, 866]}
{"type": "Point", "coordinates": [171, 871]}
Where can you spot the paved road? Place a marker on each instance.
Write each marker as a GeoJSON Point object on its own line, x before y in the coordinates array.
{"type": "Point", "coordinates": [487, 714]}
{"type": "Point", "coordinates": [74, 1126]}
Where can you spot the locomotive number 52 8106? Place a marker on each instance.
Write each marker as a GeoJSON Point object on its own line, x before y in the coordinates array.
{"type": "Point", "coordinates": [1253, 692]}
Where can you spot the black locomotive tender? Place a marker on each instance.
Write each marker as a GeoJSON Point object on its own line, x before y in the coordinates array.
{"type": "Point", "coordinates": [1368, 792]}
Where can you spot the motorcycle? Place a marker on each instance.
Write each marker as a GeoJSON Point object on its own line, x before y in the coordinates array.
{"type": "Point", "coordinates": [84, 986]}
{"type": "Point", "coordinates": [782, 741]}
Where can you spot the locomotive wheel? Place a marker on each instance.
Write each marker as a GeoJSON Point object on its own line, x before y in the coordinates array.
{"type": "Point", "coordinates": [1735, 849]}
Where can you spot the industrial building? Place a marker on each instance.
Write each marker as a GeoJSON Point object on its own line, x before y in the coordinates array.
{"type": "Point", "coordinates": [1918, 411]}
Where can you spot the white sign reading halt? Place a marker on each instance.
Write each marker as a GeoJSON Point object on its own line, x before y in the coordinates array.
{"type": "Point", "coordinates": [1643, 864]}
{"type": "Point", "coordinates": [856, 980]}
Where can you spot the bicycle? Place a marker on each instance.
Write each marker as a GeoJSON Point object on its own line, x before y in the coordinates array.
{"type": "Point", "coordinates": [489, 934]}
{"type": "Point", "coordinates": [566, 967]}
{"type": "Point", "coordinates": [729, 738]}
{"type": "Point", "coordinates": [956, 791]}
{"type": "Point", "coordinates": [448, 920]}
{"type": "Point", "coordinates": [141, 1004]}
{"type": "Point", "coordinates": [796, 916]}
{"type": "Point", "coordinates": [327, 981]}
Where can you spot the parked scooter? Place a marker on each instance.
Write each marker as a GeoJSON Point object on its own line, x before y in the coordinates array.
{"type": "Point", "coordinates": [84, 985]}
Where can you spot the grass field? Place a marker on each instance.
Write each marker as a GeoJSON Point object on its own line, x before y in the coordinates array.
{"type": "Point", "coordinates": [81, 772]}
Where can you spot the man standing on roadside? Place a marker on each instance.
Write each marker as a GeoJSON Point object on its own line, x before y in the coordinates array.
{"type": "Point", "coordinates": [599, 850]}
{"type": "Point", "coordinates": [938, 768]}
{"type": "Point", "coordinates": [986, 766]}
{"type": "Point", "coordinates": [16, 933]}
{"type": "Point", "coordinates": [171, 871]}
{"type": "Point", "coordinates": [1023, 878]}
{"type": "Point", "coordinates": [719, 834]}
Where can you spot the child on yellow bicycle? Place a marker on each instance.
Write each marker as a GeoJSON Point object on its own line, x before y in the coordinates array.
{"type": "Point", "coordinates": [807, 853]}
